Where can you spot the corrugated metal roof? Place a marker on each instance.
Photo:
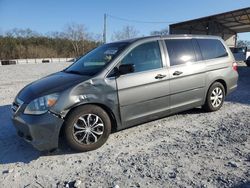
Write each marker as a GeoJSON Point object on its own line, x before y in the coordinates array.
{"type": "Point", "coordinates": [236, 21]}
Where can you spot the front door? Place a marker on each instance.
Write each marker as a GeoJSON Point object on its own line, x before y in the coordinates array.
{"type": "Point", "coordinates": [143, 94]}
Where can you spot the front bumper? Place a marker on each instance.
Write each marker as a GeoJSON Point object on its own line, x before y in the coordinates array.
{"type": "Point", "coordinates": [42, 131]}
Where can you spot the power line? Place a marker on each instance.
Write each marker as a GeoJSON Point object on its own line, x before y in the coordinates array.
{"type": "Point", "coordinates": [138, 21]}
{"type": "Point", "coordinates": [128, 20]}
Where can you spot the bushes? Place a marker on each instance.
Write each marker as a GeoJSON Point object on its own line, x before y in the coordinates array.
{"type": "Point", "coordinates": [74, 41]}
{"type": "Point", "coordinates": [39, 47]}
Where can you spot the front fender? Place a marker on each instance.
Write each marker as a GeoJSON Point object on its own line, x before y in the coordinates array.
{"type": "Point", "coordinates": [98, 92]}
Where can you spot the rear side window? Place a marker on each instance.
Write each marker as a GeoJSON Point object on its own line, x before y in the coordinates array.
{"type": "Point", "coordinates": [180, 51]}
{"type": "Point", "coordinates": [211, 48]}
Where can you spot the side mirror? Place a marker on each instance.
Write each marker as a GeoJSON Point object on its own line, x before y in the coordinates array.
{"type": "Point", "coordinates": [126, 68]}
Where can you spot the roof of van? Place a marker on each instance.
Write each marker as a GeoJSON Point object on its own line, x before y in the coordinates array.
{"type": "Point", "coordinates": [168, 36]}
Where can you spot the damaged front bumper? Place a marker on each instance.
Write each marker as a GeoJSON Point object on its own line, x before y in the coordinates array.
{"type": "Point", "coordinates": [42, 131]}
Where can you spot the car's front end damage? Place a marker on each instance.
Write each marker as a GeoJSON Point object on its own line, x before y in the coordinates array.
{"type": "Point", "coordinates": [42, 130]}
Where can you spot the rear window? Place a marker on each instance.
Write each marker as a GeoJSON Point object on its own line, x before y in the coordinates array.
{"type": "Point", "coordinates": [211, 48]}
{"type": "Point", "coordinates": [180, 51]}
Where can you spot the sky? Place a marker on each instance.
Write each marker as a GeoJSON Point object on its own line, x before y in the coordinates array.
{"type": "Point", "coordinates": [52, 15]}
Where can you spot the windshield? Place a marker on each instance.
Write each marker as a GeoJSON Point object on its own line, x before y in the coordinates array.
{"type": "Point", "coordinates": [96, 60]}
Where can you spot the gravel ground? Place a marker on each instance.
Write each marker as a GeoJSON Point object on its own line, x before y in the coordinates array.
{"type": "Point", "coordinates": [189, 149]}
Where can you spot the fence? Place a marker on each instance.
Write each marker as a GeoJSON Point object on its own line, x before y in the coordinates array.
{"type": "Point", "coordinates": [35, 60]}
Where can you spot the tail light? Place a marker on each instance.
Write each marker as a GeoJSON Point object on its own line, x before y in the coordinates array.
{"type": "Point", "coordinates": [235, 66]}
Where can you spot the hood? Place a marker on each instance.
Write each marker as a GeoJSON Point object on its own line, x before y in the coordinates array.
{"type": "Point", "coordinates": [53, 83]}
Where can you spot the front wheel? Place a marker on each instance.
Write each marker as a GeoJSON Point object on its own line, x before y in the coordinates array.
{"type": "Point", "coordinates": [87, 128]}
{"type": "Point", "coordinates": [215, 97]}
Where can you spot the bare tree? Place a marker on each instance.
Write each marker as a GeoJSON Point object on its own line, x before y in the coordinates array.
{"type": "Point", "coordinates": [21, 33]}
{"type": "Point", "coordinates": [127, 32]}
{"type": "Point", "coordinates": [243, 43]}
{"type": "Point", "coordinates": [161, 32]}
{"type": "Point", "coordinates": [55, 34]}
{"type": "Point", "coordinates": [77, 34]}
{"type": "Point", "coordinates": [26, 43]}
{"type": "Point", "coordinates": [17, 36]}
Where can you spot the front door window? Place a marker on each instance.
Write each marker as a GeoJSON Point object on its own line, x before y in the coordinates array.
{"type": "Point", "coordinates": [145, 57]}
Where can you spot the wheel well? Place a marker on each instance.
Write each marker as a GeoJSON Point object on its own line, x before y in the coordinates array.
{"type": "Point", "coordinates": [223, 83]}
{"type": "Point", "coordinates": [220, 81]}
{"type": "Point", "coordinates": [110, 114]}
{"type": "Point", "coordinates": [107, 109]}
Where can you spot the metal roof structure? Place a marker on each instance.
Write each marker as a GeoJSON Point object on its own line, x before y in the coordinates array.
{"type": "Point", "coordinates": [237, 21]}
{"type": "Point", "coordinates": [226, 24]}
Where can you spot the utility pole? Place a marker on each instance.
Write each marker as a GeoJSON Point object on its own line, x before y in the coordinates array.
{"type": "Point", "coordinates": [105, 29]}
{"type": "Point", "coordinates": [235, 40]}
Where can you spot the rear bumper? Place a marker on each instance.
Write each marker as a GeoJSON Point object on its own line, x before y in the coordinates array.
{"type": "Point", "coordinates": [232, 81]}
{"type": "Point", "coordinates": [42, 131]}
{"type": "Point", "coordinates": [231, 89]}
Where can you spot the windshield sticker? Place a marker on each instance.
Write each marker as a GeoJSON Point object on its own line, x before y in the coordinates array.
{"type": "Point", "coordinates": [108, 58]}
{"type": "Point", "coordinates": [110, 51]}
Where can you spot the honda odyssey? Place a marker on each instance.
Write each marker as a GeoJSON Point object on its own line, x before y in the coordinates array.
{"type": "Point", "coordinates": [122, 84]}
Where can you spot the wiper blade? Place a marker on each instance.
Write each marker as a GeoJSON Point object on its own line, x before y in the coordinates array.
{"type": "Point", "coordinates": [72, 72]}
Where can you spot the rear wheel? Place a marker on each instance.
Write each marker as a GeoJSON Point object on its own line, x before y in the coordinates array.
{"type": "Point", "coordinates": [215, 97]}
{"type": "Point", "coordinates": [87, 128]}
{"type": "Point", "coordinates": [248, 61]}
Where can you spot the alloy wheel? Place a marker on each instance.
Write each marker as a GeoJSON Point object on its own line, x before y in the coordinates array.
{"type": "Point", "coordinates": [216, 97]}
{"type": "Point", "coordinates": [88, 129]}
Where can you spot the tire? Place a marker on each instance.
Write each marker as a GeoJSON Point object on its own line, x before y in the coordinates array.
{"type": "Point", "coordinates": [212, 102]}
{"type": "Point", "coordinates": [87, 128]}
{"type": "Point", "coordinates": [248, 62]}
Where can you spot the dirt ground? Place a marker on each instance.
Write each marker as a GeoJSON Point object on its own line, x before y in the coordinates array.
{"type": "Point", "coordinates": [189, 149]}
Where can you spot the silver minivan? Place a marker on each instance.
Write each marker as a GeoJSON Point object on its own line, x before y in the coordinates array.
{"type": "Point", "coordinates": [122, 84]}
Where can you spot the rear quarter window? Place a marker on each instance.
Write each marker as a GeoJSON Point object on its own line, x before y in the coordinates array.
{"type": "Point", "coordinates": [212, 48]}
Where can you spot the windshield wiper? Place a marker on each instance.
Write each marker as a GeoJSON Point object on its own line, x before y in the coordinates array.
{"type": "Point", "coordinates": [72, 72]}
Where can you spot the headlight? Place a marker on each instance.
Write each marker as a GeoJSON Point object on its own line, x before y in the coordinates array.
{"type": "Point", "coordinates": [41, 105]}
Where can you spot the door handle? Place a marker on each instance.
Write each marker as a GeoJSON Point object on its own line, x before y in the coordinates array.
{"type": "Point", "coordinates": [177, 73]}
{"type": "Point", "coordinates": [160, 76]}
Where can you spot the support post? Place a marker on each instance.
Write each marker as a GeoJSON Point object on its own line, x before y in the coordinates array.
{"type": "Point", "coordinates": [105, 29]}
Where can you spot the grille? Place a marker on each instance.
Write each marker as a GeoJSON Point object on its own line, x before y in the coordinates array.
{"type": "Point", "coordinates": [16, 105]}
